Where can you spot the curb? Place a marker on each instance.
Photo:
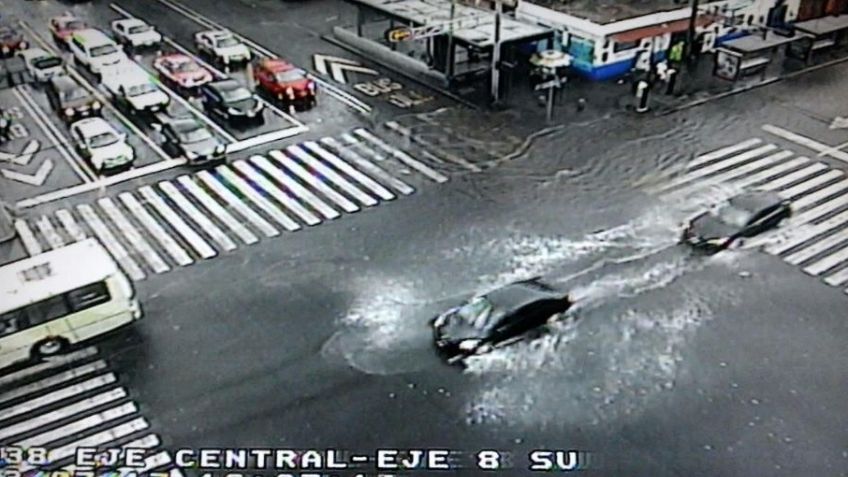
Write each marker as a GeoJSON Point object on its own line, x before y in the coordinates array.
{"type": "Point", "coordinates": [750, 87]}
{"type": "Point", "coordinates": [443, 91]}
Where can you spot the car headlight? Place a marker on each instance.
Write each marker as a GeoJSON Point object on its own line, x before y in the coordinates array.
{"type": "Point", "coordinates": [5, 49]}
{"type": "Point", "coordinates": [469, 345]}
{"type": "Point", "coordinates": [96, 105]}
{"type": "Point", "coordinates": [69, 111]}
{"type": "Point", "coordinates": [24, 45]}
{"type": "Point", "coordinates": [191, 155]}
{"type": "Point", "coordinates": [234, 112]}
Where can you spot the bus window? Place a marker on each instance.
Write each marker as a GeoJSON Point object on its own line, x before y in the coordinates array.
{"type": "Point", "coordinates": [11, 322]}
{"type": "Point", "coordinates": [88, 296]}
{"type": "Point", "coordinates": [47, 310]}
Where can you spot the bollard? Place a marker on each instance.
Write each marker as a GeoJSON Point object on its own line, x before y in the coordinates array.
{"type": "Point", "coordinates": [671, 82]}
{"type": "Point", "coordinates": [642, 97]}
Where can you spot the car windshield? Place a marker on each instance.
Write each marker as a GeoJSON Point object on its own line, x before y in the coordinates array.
{"type": "Point", "coordinates": [103, 140]}
{"type": "Point", "coordinates": [103, 50]}
{"type": "Point", "coordinates": [476, 311]}
{"type": "Point", "coordinates": [289, 76]}
{"type": "Point", "coordinates": [186, 67]}
{"type": "Point", "coordinates": [140, 29]}
{"type": "Point", "coordinates": [74, 94]}
{"type": "Point", "coordinates": [47, 62]}
{"type": "Point", "coordinates": [225, 42]}
{"type": "Point", "coordinates": [197, 134]}
{"type": "Point", "coordinates": [139, 89]}
{"type": "Point", "coordinates": [733, 215]}
{"type": "Point", "coordinates": [235, 94]}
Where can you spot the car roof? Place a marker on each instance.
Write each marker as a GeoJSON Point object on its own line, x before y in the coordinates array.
{"type": "Point", "coordinates": [93, 35]}
{"type": "Point", "coordinates": [755, 201]}
{"type": "Point", "coordinates": [516, 295]}
{"type": "Point", "coordinates": [187, 124]}
{"type": "Point", "coordinates": [218, 34]}
{"type": "Point", "coordinates": [225, 84]}
{"type": "Point", "coordinates": [64, 83]}
{"type": "Point", "coordinates": [91, 126]}
{"type": "Point", "coordinates": [131, 22]}
{"type": "Point", "coordinates": [276, 65]}
{"type": "Point", "coordinates": [176, 58]}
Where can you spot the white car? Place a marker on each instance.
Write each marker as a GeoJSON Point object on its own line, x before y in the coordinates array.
{"type": "Point", "coordinates": [94, 50]}
{"type": "Point", "coordinates": [133, 89]}
{"type": "Point", "coordinates": [105, 148]}
{"type": "Point", "coordinates": [135, 33]}
{"type": "Point", "coordinates": [222, 46]}
{"type": "Point", "coordinates": [41, 64]}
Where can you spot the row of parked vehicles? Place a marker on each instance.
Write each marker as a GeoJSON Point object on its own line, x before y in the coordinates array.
{"type": "Point", "coordinates": [138, 94]}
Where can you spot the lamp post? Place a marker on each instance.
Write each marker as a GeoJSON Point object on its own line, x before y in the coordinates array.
{"type": "Point", "coordinates": [690, 34]}
{"type": "Point", "coordinates": [496, 54]}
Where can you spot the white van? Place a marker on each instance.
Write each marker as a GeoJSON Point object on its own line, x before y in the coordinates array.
{"type": "Point", "coordinates": [133, 89]}
{"type": "Point", "coordinates": [50, 302]}
{"type": "Point", "coordinates": [94, 50]}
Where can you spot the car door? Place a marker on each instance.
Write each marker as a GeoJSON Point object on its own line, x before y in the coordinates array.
{"type": "Point", "coordinates": [213, 100]}
{"type": "Point", "coordinates": [761, 221]}
{"type": "Point", "coordinates": [169, 140]}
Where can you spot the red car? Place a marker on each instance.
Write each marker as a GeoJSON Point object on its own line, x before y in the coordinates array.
{"type": "Point", "coordinates": [62, 27]}
{"type": "Point", "coordinates": [285, 82]}
{"type": "Point", "coordinates": [182, 71]}
{"type": "Point", "coordinates": [10, 41]}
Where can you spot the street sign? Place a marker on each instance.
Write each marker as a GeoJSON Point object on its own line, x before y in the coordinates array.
{"type": "Point", "coordinates": [399, 34]}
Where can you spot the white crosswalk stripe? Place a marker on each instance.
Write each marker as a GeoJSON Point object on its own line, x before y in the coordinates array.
{"type": "Point", "coordinates": [362, 148]}
{"type": "Point", "coordinates": [346, 168]}
{"type": "Point", "coordinates": [49, 232]}
{"type": "Point", "coordinates": [215, 208]}
{"type": "Point", "coordinates": [283, 178]}
{"type": "Point", "coordinates": [349, 154]}
{"type": "Point", "coordinates": [68, 375]}
{"type": "Point", "coordinates": [735, 172]}
{"type": "Point", "coordinates": [809, 171]}
{"type": "Point", "coordinates": [197, 216]}
{"type": "Point", "coordinates": [248, 191]}
{"type": "Point", "coordinates": [331, 175]}
{"type": "Point", "coordinates": [174, 249]}
{"type": "Point", "coordinates": [70, 225]}
{"type": "Point", "coordinates": [56, 396]}
{"type": "Point", "coordinates": [814, 249]}
{"type": "Point", "coordinates": [231, 200]}
{"type": "Point", "coordinates": [826, 192]}
{"type": "Point", "coordinates": [279, 195]}
{"type": "Point", "coordinates": [838, 278]}
{"type": "Point", "coordinates": [79, 426]}
{"type": "Point", "coordinates": [805, 186]}
{"type": "Point", "coordinates": [150, 255]}
{"type": "Point", "coordinates": [725, 151]}
{"type": "Point", "coordinates": [402, 156]}
{"type": "Point", "coordinates": [55, 362]}
{"type": "Point", "coordinates": [692, 175]}
{"type": "Point", "coordinates": [771, 173]}
{"type": "Point", "coordinates": [110, 242]}
{"type": "Point", "coordinates": [186, 232]}
{"type": "Point", "coordinates": [818, 211]}
{"type": "Point", "coordinates": [28, 237]}
{"type": "Point", "coordinates": [835, 258]}
{"type": "Point", "coordinates": [316, 183]}
{"type": "Point", "coordinates": [803, 234]}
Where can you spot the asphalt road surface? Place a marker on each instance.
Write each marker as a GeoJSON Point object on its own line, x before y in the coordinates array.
{"type": "Point", "coordinates": [677, 364]}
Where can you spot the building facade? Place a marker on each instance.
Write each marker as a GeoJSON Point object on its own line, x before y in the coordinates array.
{"type": "Point", "coordinates": [605, 47]}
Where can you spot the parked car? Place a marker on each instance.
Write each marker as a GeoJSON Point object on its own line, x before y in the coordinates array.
{"type": "Point", "coordinates": [102, 146]}
{"type": "Point", "coordinates": [70, 100]}
{"type": "Point", "coordinates": [63, 27]}
{"type": "Point", "coordinates": [189, 138]}
{"type": "Point", "coordinates": [136, 34]}
{"type": "Point", "coordinates": [11, 41]}
{"type": "Point", "coordinates": [182, 72]}
{"type": "Point", "coordinates": [230, 100]}
{"type": "Point", "coordinates": [41, 64]}
{"type": "Point", "coordinates": [93, 50]}
{"type": "Point", "coordinates": [509, 314]}
{"type": "Point", "coordinates": [133, 89]}
{"type": "Point", "coordinates": [285, 83]}
{"type": "Point", "coordinates": [745, 215]}
{"type": "Point", "coordinates": [222, 47]}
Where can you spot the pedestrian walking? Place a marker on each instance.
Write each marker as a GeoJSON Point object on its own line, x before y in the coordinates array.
{"type": "Point", "coordinates": [5, 126]}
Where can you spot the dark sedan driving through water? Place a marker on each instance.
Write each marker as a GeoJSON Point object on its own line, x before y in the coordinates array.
{"type": "Point", "coordinates": [745, 215]}
{"type": "Point", "coordinates": [511, 313]}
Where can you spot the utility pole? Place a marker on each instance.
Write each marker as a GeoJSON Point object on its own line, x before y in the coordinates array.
{"type": "Point", "coordinates": [496, 53]}
{"type": "Point", "coordinates": [449, 53]}
{"type": "Point", "coordinates": [690, 34]}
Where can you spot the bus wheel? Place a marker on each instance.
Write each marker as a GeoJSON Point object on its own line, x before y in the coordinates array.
{"type": "Point", "coordinates": [50, 347]}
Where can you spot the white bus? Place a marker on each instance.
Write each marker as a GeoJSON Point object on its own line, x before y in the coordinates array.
{"type": "Point", "coordinates": [61, 297]}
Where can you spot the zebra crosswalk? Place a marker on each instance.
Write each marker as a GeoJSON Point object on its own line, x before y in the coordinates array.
{"type": "Point", "coordinates": [816, 238]}
{"type": "Point", "coordinates": [74, 401]}
{"type": "Point", "coordinates": [177, 222]}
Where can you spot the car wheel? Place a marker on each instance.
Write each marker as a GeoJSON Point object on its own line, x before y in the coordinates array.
{"type": "Point", "coordinates": [50, 347]}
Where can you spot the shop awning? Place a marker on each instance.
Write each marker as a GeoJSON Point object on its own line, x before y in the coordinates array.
{"type": "Point", "coordinates": [661, 29]}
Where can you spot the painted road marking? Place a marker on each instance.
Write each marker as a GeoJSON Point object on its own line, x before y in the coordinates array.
{"type": "Point", "coordinates": [150, 256]}
{"type": "Point", "coordinates": [448, 156]}
{"type": "Point", "coordinates": [784, 181]}
{"type": "Point", "coordinates": [735, 172]}
{"type": "Point", "coordinates": [248, 191]}
{"type": "Point", "coordinates": [221, 213]}
{"type": "Point", "coordinates": [197, 243]}
{"type": "Point", "coordinates": [348, 154]}
{"type": "Point", "coordinates": [50, 363]}
{"type": "Point", "coordinates": [176, 252]}
{"type": "Point", "coordinates": [294, 186]}
{"type": "Point", "coordinates": [828, 191]}
{"type": "Point", "coordinates": [96, 440]}
{"type": "Point", "coordinates": [402, 156]}
{"type": "Point", "coordinates": [338, 66]}
{"type": "Point", "coordinates": [806, 142]}
{"type": "Point", "coordinates": [56, 396]}
{"type": "Point", "coordinates": [197, 216]}
{"type": "Point", "coordinates": [62, 413]}
{"type": "Point", "coordinates": [838, 278]}
{"type": "Point", "coordinates": [360, 146]}
{"type": "Point", "coordinates": [326, 172]}
{"type": "Point", "coordinates": [49, 232]}
{"type": "Point", "coordinates": [813, 249]}
{"type": "Point", "coordinates": [803, 234]}
{"type": "Point", "coordinates": [723, 152]}
{"type": "Point", "coordinates": [281, 196]}
{"type": "Point", "coordinates": [289, 164]}
{"type": "Point", "coordinates": [77, 427]}
{"type": "Point", "coordinates": [715, 167]}
{"type": "Point", "coordinates": [108, 239]}
{"type": "Point", "coordinates": [343, 166]}
{"type": "Point", "coordinates": [772, 172]}
{"type": "Point", "coordinates": [28, 238]}
{"type": "Point", "coordinates": [814, 213]}
{"type": "Point", "coordinates": [45, 383]}
{"type": "Point", "coordinates": [806, 186]}
{"type": "Point", "coordinates": [70, 225]}
{"type": "Point", "coordinates": [237, 204]}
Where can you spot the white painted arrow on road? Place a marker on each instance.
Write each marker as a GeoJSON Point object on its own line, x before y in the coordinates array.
{"type": "Point", "coordinates": [338, 66]}
{"type": "Point", "coordinates": [36, 179]}
{"type": "Point", "coordinates": [839, 123]}
{"type": "Point", "coordinates": [24, 156]}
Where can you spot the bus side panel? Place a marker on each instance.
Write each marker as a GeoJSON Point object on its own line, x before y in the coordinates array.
{"type": "Point", "coordinates": [17, 347]}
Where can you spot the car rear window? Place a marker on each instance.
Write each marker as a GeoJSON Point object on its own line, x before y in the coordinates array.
{"type": "Point", "coordinates": [103, 50]}
{"type": "Point", "coordinates": [140, 29]}
{"type": "Point", "coordinates": [74, 94]}
{"type": "Point", "coordinates": [44, 63]}
{"type": "Point", "coordinates": [289, 76]}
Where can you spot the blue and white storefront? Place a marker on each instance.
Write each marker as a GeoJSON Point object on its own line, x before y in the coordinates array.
{"type": "Point", "coordinates": [606, 51]}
